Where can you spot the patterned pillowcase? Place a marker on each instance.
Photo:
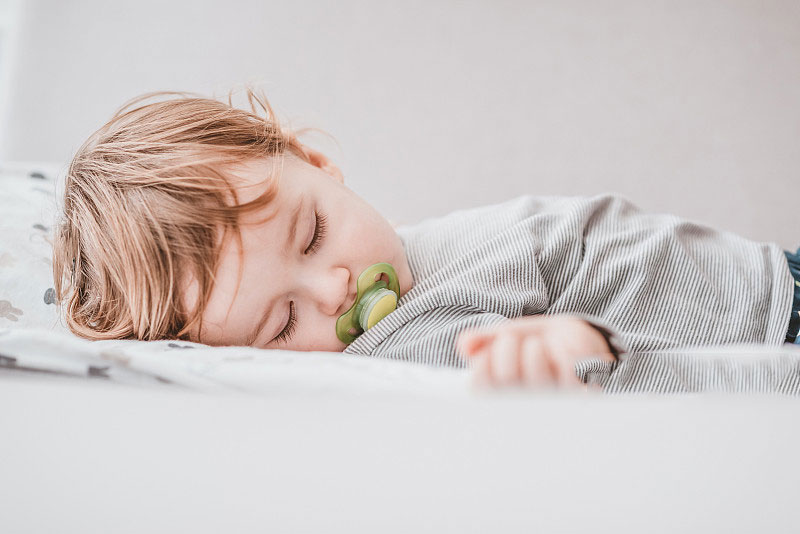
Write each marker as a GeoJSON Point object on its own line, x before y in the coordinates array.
{"type": "Point", "coordinates": [28, 208]}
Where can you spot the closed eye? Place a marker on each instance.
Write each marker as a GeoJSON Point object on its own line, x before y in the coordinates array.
{"type": "Point", "coordinates": [320, 229]}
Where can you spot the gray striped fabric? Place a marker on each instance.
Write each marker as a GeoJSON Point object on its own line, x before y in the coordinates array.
{"type": "Point", "coordinates": [688, 372]}
{"type": "Point", "coordinates": [653, 281]}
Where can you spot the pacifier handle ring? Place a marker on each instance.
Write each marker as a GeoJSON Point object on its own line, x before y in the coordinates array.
{"type": "Point", "coordinates": [366, 285]}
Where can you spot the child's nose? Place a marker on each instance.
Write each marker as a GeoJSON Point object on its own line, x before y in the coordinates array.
{"type": "Point", "coordinates": [333, 292]}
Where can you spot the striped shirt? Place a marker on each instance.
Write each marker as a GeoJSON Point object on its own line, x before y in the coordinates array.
{"type": "Point", "coordinates": [649, 281]}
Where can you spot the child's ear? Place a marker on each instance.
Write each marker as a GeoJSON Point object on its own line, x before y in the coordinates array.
{"type": "Point", "coordinates": [318, 159]}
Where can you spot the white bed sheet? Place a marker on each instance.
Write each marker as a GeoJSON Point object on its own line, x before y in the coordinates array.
{"type": "Point", "coordinates": [89, 456]}
{"type": "Point", "coordinates": [243, 440]}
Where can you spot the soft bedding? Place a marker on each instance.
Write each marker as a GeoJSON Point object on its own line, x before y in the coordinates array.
{"type": "Point", "coordinates": [27, 213]}
{"type": "Point", "coordinates": [732, 368]}
{"type": "Point", "coordinates": [32, 338]}
{"type": "Point", "coordinates": [217, 369]}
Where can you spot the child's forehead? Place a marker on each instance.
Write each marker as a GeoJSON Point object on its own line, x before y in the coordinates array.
{"type": "Point", "coordinates": [250, 180]}
{"type": "Point", "coordinates": [252, 177]}
{"type": "Point", "coordinates": [252, 172]}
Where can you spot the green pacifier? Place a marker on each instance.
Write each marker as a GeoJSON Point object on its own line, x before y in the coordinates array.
{"type": "Point", "coordinates": [374, 301]}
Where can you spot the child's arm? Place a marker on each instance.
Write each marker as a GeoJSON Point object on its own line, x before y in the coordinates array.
{"type": "Point", "coordinates": [533, 350]}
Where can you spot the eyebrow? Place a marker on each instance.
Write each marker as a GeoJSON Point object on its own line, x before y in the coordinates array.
{"type": "Point", "coordinates": [290, 238]}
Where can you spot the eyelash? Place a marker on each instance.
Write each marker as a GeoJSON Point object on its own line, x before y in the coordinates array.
{"type": "Point", "coordinates": [319, 233]}
{"type": "Point", "coordinates": [287, 332]}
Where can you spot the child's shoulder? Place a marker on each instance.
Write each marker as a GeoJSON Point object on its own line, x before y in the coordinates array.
{"type": "Point", "coordinates": [500, 214]}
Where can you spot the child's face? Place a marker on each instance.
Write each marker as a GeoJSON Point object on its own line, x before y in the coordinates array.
{"type": "Point", "coordinates": [320, 284]}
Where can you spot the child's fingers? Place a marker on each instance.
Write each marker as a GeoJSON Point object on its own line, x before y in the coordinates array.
{"type": "Point", "coordinates": [475, 347]}
{"type": "Point", "coordinates": [504, 361]}
{"type": "Point", "coordinates": [480, 370]}
{"type": "Point", "coordinates": [469, 343]}
{"type": "Point", "coordinates": [537, 370]}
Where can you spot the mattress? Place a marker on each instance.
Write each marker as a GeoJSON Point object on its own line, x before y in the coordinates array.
{"type": "Point", "coordinates": [229, 440]}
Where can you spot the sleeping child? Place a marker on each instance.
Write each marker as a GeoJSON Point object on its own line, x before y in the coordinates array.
{"type": "Point", "coordinates": [188, 218]}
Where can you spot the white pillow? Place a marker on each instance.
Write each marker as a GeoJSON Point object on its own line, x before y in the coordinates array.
{"type": "Point", "coordinates": [27, 214]}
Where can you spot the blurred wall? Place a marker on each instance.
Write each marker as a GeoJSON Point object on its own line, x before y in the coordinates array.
{"type": "Point", "coordinates": [690, 107]}
{"type": "Point", "coordinates": [9, 26]}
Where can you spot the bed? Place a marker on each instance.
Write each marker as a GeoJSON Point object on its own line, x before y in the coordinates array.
{"type": "Point", "coordinates": [129, 436]}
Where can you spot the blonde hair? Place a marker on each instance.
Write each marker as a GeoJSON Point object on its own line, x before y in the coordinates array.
{"type": "Point", "coordinates": [146, 203]}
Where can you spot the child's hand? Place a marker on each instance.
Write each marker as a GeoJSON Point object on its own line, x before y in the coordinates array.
{"type": "Point", "coordinates": [532, 351]}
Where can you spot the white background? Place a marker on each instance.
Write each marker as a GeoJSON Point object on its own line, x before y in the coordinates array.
{"type": "Point", "coordinates": [690, 107]}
